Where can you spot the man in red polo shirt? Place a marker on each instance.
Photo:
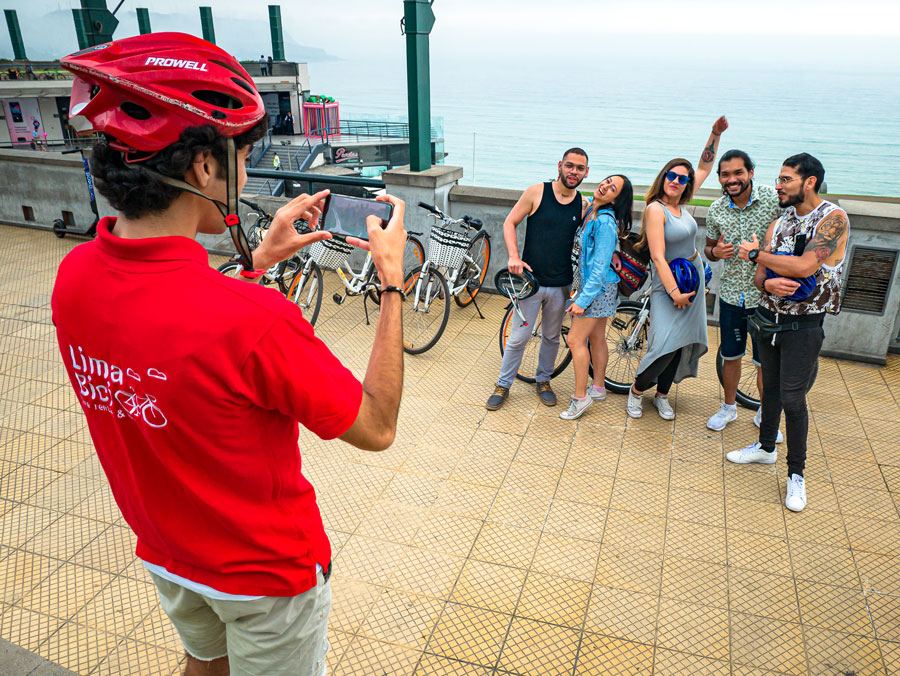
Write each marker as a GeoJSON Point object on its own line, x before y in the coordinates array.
{"type": "Point", "coordinates": [192, 382]}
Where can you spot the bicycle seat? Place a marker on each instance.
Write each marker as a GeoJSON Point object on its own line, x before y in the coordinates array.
{"type": "Point", "coordinates": [473, 222]}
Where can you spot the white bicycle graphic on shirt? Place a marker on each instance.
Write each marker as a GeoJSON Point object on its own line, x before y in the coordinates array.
{"type": "Point", "coordinates": [141, 406]}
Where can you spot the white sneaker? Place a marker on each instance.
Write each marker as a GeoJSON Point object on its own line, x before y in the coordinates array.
{"type": "Point", "coordinates": [576, 408]}
{"type": "Point", "coordinates": [757, 420]}
{"type": "Point", "coordinates": [796, 493]}
{"type": "Point", "coordinates": [597, 393]}
{"type": "Point", "coordinates": [634, 407]}
{"type": "Point", "coordinates": [664, 408]}
{"type": "Point", "coordinates": [752, 453]}
{"type": "Point", "coordinates": [722, 417]}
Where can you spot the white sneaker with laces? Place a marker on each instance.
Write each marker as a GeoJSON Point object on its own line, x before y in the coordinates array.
{"type": "Point", "coordinates": [795, 500]}
{"type": "Point", "coordinates": [757, 420]}
{"type": "Point", "coordinates": [752, 453]}
{"type": "Point", "coordinates": [722, 417]}
{"type": "Point", "coordinates": [664, 407]}
{"type": "Point", "coordinates": [597, 393]}
{"type": "Point", "coordinates": [576, 408]}
{"type": "Point", "coordinates": [634, 407]}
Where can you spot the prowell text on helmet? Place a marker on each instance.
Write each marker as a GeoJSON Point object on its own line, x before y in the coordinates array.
{"type": "Point", "coordinates": [174, 63]}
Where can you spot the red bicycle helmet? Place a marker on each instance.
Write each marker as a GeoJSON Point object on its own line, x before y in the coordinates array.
{"type": "Point", "coordinates": [145, 90]}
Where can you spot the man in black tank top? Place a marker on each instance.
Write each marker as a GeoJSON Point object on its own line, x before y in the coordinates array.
{"type": "Point", "coordinates": [554, 211]}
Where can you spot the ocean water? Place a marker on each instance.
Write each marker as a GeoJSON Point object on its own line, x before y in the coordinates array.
{"type": "Point", "coordinates": [516, 119]}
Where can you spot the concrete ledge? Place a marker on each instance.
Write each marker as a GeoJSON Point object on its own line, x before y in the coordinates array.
{"type": "Point", "coordinates": [473, 194]}
{"type": "Point", "coordinates": [16, 661]}
{"type": "Point", "coordinates": [439, 175]}
{"type": "Point", "coordinates": [35, 157]}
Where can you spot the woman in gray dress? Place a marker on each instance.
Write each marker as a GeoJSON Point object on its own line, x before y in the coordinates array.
{"type": "Point", "coordinates": [677, 323]}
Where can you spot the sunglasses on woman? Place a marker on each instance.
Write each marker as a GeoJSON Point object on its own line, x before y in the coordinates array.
{"type": "Point", "coordinates": [681, 178]}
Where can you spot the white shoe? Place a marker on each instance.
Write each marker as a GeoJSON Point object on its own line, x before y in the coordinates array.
{"type": "Point", "coordinates": [752, 453]}
{"type": "Point", "coordinates": [664, 408]}
{"type": "Point", "coordinates": [757, 420]}
{"type": "Point", "coordinates": [634, 407]}
{"type": "Point", "coordinates": [576, 408]}
{"type": "Point", "coordinates": [597, 393]}
{"type": "Point", "coordinates": [722, 417]}
{"type": "Point", "coordinates": [796, 493]}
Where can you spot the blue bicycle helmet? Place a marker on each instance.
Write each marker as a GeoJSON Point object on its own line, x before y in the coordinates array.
{"type": "Point", "coordinates": [685, 274]}
{"type": "Point", "coordinates": [707, 273]}
{"type": "Point", "coordinates": [807, 284]}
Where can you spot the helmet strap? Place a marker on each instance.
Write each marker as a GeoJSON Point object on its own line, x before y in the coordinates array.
{"type": "Point", "coordinates": [229, 210]}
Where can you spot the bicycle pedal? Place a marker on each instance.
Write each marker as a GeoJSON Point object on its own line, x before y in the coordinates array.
{"type": "Point", "coordinates": [338, 298]}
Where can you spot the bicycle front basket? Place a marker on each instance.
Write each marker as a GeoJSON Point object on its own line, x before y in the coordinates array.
{"type": "Point", "coordinates": [447, 247]}
{"type": "Point", "coordinates": [330, 253]}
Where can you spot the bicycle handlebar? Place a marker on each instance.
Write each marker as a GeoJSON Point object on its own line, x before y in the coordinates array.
{"type": "Point", "coordinates": [252, 205]}
{"type": "Point", "coordinates": [430, 207]}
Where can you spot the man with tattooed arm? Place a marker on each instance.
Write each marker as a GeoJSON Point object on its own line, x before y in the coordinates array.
{"type": "Point", "coordinates": [808, 241]}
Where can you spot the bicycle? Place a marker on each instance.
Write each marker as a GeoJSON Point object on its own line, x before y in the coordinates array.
{"type": "Point", "coordinates": [304, 289]}
{"type": "Point", "coordinates": [465, 259]}
{"type": "Point", "coordinates": [365, 282]}
{"type": "Point", "coordinates": [627, 335]}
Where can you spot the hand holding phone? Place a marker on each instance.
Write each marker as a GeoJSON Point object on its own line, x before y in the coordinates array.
{"type": "Point", "coordinates": [387, 244]}
{"type": "Point", "coordinates": [345, 216]}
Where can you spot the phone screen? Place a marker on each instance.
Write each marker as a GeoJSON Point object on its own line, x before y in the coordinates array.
{"type": "Point", "coordinates": [346, 216]}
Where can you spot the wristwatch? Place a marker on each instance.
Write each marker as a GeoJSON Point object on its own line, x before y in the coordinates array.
{"type": "Point", "coordinates": [753, 255]}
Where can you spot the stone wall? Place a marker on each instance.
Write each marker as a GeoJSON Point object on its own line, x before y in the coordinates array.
{"type": "Point", "coordinates": [50, 183]}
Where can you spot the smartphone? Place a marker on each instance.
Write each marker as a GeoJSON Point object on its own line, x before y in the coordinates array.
{"type": "Point", "coordinates": [344, 216]}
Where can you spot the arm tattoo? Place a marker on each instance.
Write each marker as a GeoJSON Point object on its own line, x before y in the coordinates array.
{"type": "Point", "coordinates": [709, 152]}
{"type": "Point", "coordinates": [829, 234]}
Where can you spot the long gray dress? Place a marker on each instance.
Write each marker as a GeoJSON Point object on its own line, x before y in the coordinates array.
{"type": "Point", "coordinates": [671, 328]}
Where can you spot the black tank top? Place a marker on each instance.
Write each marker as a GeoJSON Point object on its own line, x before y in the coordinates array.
{"type": "Point", "coordinates": [550, 233]}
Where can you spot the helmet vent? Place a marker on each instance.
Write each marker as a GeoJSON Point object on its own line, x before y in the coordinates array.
{"type": "Point", "coordinates": [134, 110]}
{"type": "Point", "coordinates": [230, 67]}
{"type": "Point", "coordinates": [243, 85]}
{"type": "Point", "coordinates": [217, 99]}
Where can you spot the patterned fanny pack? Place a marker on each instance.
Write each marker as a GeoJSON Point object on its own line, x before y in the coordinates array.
{"type": "Point", "coordinates": [635, 265]}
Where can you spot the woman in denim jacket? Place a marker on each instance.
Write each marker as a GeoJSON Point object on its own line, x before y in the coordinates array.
{"type": "Point", "coordinates": [608, 215]}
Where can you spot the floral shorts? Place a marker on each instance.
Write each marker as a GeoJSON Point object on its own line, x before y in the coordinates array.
{"type": "Point", "coordinates": [605, 304]}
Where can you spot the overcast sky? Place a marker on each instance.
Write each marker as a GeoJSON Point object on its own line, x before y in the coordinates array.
{"type": "Point", "coordinates": [861, 32]}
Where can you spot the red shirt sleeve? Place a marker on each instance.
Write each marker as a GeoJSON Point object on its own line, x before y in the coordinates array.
{"type": "Point", "coordinates": [292, 371]}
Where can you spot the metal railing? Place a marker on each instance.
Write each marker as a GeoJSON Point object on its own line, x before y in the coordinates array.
{"type": "Point", "coordinates": [51, 144]}
{"type": "Point", "coordinates": [368, 129]}
{"type": "Point", "coordinates": [310, 179]}
{"type": "Point", "coordinates": [260, 148]}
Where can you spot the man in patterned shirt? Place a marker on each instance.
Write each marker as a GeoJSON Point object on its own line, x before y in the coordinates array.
{"type": "Point", "coordinates": [746, 209]}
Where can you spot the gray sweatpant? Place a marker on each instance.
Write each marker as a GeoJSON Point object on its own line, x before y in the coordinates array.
{"type": "Point", "coordinates": [551, 302]}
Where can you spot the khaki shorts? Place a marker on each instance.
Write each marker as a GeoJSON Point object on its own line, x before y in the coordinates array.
{"type": "Point", "coordinates": [266, 637]}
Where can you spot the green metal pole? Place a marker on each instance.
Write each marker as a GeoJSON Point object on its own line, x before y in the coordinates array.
{"type": "Point", "coordinates": [143, 15]}
{"type": "Point", "coordinates": [418, 21]}
{"type": "Point", "coordinates": [15, 34]}
{"type": "Point", "coordinates": [277, 33]}
{"type": "Point", "coordinates": [81, 30]}
{"type": "Point", "coordinates": [206, 23]}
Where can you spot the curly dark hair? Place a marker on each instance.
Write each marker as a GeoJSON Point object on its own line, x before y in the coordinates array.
{"type": "Point", "coordinates": [137, 193]}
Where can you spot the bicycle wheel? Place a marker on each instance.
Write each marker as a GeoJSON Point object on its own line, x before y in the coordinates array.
{"type": "Point", "coordinates": [413, 254]}
{"type": "Point", "coordinates": [474, 272]}
{"type": "Point", "coordinates": [627, 344]}
{"type": "Point", "coordinates": [230, 269]}
{"type": "Point", "coordinates": [306, 291]}
{"type": "Point", "coordinates": [425, 310]}
{"type": "Point", "coordinates": [528, 367]}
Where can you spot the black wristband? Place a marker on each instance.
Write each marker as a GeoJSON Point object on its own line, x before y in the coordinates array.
{"type": "Point", "coordinates": [395, 289]}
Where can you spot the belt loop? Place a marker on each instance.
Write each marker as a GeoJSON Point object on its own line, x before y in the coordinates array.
{"type": "Point", "coordinates": [795, 326]}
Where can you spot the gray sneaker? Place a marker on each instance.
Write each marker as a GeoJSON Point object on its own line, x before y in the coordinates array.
{"type": "Point", "coordinates": [497, 399]}
{"type": "Point", "coordinates": [548, 398]}
{"type": "Point", "coordinates": [634, 406]}
{"type": "Point", "coordinates": [576, 408]}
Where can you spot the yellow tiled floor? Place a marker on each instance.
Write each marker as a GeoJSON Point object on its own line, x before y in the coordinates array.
{"type": "Point", "coordinates": [488, 543]}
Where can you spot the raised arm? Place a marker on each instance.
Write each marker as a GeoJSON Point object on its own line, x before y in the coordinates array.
{"type": "Point", "coordinates": [708, 156]}
{"type": "Point", "coordinates": [526, 206]}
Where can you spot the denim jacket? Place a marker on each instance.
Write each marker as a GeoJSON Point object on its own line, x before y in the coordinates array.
{"type": "Point", "coordinates": [598, 243]}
